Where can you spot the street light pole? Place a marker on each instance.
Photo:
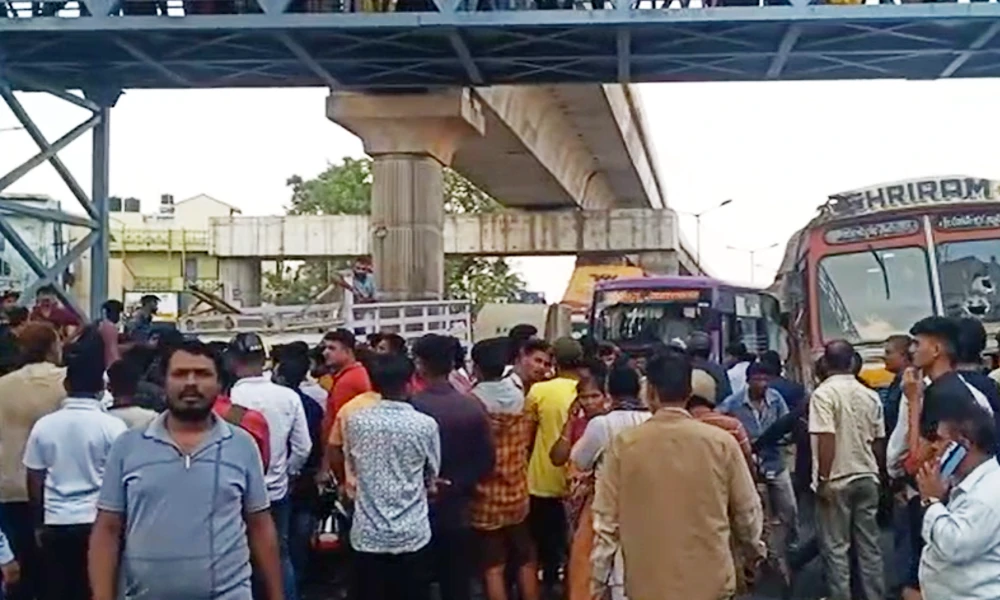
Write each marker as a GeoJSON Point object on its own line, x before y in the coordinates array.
{"type": "Point", "coordinates": [697, 226]}
{"type": "Point", "coordinates": [753, 257]}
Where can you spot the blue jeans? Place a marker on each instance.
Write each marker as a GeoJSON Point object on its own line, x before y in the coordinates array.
{"type": "Point", "coordinates": [302, 527]}
{"type": "Point", "coordinates": [281, 511]}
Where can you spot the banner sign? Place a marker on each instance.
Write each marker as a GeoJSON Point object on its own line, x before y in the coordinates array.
{"type": "Point", "coordinates": [871, 231]}
{"type": "Point", "coordinates": [908, 194]}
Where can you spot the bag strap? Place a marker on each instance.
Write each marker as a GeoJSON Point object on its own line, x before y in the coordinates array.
{"type": "Point", "coordinates": [234, 416]}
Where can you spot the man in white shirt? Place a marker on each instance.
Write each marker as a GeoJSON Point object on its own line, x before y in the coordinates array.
{"type": "Point", "coordinates": [961, 527]}
{"type": "Point", "coordinates": [65, 458]}
{"type": "Point", "coordinates": [289, 434]}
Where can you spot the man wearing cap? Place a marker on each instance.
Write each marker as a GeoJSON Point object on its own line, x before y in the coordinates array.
{"type": "Point", "coordinates": [699, 348]}
{"type": "Point", "coordinates": [702, 407]}
{"type": "Point", "coordinates": [290, 442]}
{"type": "Point", "coordinates": [548, 404]}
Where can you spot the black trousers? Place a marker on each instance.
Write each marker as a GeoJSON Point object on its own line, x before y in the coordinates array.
{"type": "Point", "coordinates": [547, 521]}
{"type": "Point", "coordinates": [18, 522]}
{"type": "Point", "coordinates": [64, 554]}
{"type": "Point", "coordinates": [392, 576]}
{"type": "Point", "coordinates": [451, 556]}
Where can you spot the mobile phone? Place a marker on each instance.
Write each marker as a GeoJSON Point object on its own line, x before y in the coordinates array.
{"type": "Point", "coordinates": [952, 456]}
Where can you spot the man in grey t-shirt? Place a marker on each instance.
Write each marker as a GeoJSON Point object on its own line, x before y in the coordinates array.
{"type": "Point", "coordinates": [186, 498]}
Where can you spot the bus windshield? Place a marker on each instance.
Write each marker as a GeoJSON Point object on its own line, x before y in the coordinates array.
{"type": "Point", "coordinates": [647, 323]}
{"type": "Point", "coordinates": [970, 276]}
{"type": "Point", "coordinates": [865, 297]}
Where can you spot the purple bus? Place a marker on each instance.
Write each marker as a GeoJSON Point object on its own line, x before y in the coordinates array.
{"type": "Point", "coordinates": [638, 314]}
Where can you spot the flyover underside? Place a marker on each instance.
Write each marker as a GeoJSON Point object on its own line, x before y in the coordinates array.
{"type": "Point", "coordinates": [374, 51]}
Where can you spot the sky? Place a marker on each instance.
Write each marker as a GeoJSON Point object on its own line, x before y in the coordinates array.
{"type": "Point", "coordinates": [776, 149]}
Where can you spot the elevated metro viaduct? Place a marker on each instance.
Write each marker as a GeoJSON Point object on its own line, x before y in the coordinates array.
{"type": "Point", "coordinates": [443, 47]}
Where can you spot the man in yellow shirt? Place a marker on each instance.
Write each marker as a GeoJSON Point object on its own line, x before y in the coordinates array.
{"type": "Point", "coordinates": [548, 404]}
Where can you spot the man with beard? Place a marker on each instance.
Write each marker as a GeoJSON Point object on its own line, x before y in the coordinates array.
{"type": "Point", "coordinates": [183, 505]}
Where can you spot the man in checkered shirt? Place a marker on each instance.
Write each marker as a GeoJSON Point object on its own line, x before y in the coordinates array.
{"type": "Point", "coordinates": [500, 509]}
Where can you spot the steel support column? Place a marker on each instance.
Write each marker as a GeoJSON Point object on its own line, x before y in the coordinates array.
{"type": "Point", "coordinates": [99, 103]}
{"type": "Point", "coordinates": [99, 255]}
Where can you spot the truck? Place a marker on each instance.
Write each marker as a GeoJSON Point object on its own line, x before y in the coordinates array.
{"type": "Point", "coordinates": [875, 260]}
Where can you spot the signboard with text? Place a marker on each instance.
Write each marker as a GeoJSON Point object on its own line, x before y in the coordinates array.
{"type": "Point", "coordinates": [965, 221]}
{"type": "Point", "coordinates": [871, 231]}
{"type": "Point", "coordinates": [649, 295]}
{"type": "Point", "coordinates": [913, 193]}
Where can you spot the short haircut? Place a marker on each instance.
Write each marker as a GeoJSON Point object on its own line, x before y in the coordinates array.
{"type": "Point", "coordinates": [490, 356]}
{"type": "Point", "coordinates": [699, 345]}
{"type": "Point", "coordinates": [606, 349]}
{"type": "Point", "coordinates": [47, 290]}
{"type": "Point", "coordinates": [17, 315]}
{"type": "Point", "coordinates": [623, 381]}
{"type": "Point", "coordinates": [971, 340]}
{"type": "Point", "coordinates": [975, 423]}
{"type": "Point", "coordinates": [396, 342]}
{"type": "Point", "coordinates": [839, 356]}
{"type": "Point", "coordinates": [123, 378]}
{"type": "Point", "coordinates": [738, 350]}
{"type": "Point", "coordinates": [598, 371]}
{"type": "Point", "coordinates": [37, 339]}
{"type": "Point", "coordinates": [293, 370]}
{"type": "Point", "coordinates": [522, 331]}
{"type": "Point", "coordinates": [761, 368]}
{"type": "Point", "coordinates": [197, 348]}
{"type": "Point", "coordinates": [437, 353]}
{"type": "Point", "coordinates": [520, 335]}
{"type": "Point", "coordinates": [943, 329]}
{"type": "Point", "coordinates": [900, 342]}
{"type": "Point", "coordinates": [390, 374]}
{"type": "Point", "coordinates": [113, 307]}
{"type": "Point", "coordinates": [535, 345]}
{"type": "Point", "coordinates": [343, 337]}
{"type": "Point", "coordinates": [149, 299]}
{"type": "Point", "coordinates": [772, 359]}
{"type": "Point", "coordinates": [84, 359]}
{"type": "Point", "coordinates": [669, 373]}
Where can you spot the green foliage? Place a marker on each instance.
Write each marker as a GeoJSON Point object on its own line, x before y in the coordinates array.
{"type": "Point", "coordinates": [346, 189]}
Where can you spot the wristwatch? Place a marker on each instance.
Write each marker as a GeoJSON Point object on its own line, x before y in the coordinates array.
{"type": "Point", "coordinates": [927, 502]}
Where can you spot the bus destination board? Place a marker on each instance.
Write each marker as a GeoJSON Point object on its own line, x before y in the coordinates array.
{"type": "Point", "coordinates": [968, 221]}
{"type": "Point", "coordinates": [871, 231]}
{"type": "Point", "coordinates": [649, 295]}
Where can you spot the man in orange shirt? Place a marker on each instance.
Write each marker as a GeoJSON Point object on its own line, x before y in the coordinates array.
{"type": "Point", "coordinates": [349, 376]}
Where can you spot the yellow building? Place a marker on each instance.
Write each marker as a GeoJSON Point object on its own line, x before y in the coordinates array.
{"type": "Point", "coordinates": [159, 252]}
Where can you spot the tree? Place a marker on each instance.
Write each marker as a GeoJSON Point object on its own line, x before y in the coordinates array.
{"type": "Point", "coordinates": [346, 189]}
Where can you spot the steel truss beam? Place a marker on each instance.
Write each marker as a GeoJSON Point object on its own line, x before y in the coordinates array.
{"type": "Point", "coordinates": [459, 45]}
{"type": "Point", "coordinates": [99, 103]}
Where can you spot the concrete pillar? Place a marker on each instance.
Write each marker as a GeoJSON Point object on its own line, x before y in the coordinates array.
{"type": "Point", "coordinates": [241, 280]}
{"type": "Point", "coordinates": [410, 138]}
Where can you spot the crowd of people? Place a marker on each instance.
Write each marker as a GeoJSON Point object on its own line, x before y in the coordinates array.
{"type": "Point", "coordinates": [135, 463]}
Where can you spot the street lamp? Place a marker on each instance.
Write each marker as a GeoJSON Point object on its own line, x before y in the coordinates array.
{"type": "Point", "coordinates": [697, 220]}
{"type": "Point", "coordinates": [753, 256]}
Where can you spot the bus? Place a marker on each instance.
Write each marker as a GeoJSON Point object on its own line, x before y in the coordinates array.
{"type": "Point", "coordinates": [638, 314]}
{"type": "Point", "coordinates": [876, 260]}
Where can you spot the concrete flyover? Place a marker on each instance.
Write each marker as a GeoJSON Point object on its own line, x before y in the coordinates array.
{"type": "Point", "coordinates": [589, 233]}
{"type": "Point", "coordinates": [532, 148]}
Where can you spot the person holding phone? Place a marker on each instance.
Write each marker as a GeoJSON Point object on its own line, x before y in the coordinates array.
{"type": "Point", "coordinates": [961, 525]}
